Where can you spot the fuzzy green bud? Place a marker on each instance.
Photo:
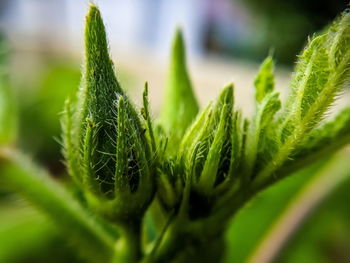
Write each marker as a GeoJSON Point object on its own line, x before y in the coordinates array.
{"type": "Point", "coordinates": [105, 144]}
{"type": "Point", "coordinates": [206, 148]}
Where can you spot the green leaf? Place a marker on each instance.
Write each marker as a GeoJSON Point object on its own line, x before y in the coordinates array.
{"type": "Point", "coordinates": [320, 75]}
{"type": "Point", "coordinates": [147, 116]}
{"type": "Point", "coordinates": [237, 143]}
{"type": "Point", "coordinates": [272, 203]}
{"type": "Point", "coordinates": [322, 142]}
{"type": "Point", "coordinates": [180, 105]}
{"type": "Point", "coordinates": [311, 75]}
{"type": "Point", "coordinates": [8, 112]}
{"type": "Point", "coordinates": [121, 173]}
{"type": "Point", "coordinates": [302, 205]}
{"type": "Point", "coordinates": [132, 162]}
{"type": "Point", "coordinates": [265, 80]}
{"type": "Point", "coordinates": [207, 179]}
{"type": "Point", "coordinates": [193, 132]}
{"type": "Point", "coordinates": [265, 208]}
{"type": "Point", "coordinates": [28, 229]}
{"type": "Point", "coordinates": [88, 172]}
{"type": "Point", "coordinates": [35, 184]}
{"type": "Point", "coordinates": [71, 150]}
{"type": "Point", "coordinates": [330, 132]}
{"type": "Point", "coordinates": [267, 105]}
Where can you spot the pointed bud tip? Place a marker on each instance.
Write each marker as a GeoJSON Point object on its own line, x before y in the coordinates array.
{"type": "Point", "coordinates": [229, 87]}
{"type": "Point", "coordinates": [268, 62]}
{"type": "Point", "coordinates": [178, 34]}
{"type": "Point", "coordinates": [179, 44]}
{"type": "Point", "coordinates": [95, 33]}
{"type": "Point", "coordinates": [226, 95]}
{"type": "Point", "coordinates": [145, 91]}
{"type": "Point", "coordinates": [93, 12]}
{"type": "Point", "coordinates": [120, 101]}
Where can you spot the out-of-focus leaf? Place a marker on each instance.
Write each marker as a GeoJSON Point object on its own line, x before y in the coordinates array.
{"type": "Point", "coordinates": [40, 105]}
{"type": "Point", "coordinates": [255, 220]}
{"type": "Point", "coordinates": [37, 186]}
{"type": "Point", "coordinates": [325, 235]}
{"type": "Point", "coordinates": [250, 224]}
{"type": "Point", "coordinates": [27, 236]}
{"type": "Point", "coordinates": [180, 105]}
{"type": "Point", "coordinates": [8, 114]}
{"type": "Point", "coordinates": [323, 183]}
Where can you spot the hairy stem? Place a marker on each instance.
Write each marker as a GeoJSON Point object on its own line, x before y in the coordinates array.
{"type": "Point", "coordinates": [128, 247]}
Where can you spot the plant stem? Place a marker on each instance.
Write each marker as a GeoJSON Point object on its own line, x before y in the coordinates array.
{"type": "Point", "coordinates": [185, 240]}
{"type": "Point", "coordinates": [179, 246]}
{"type": "Point", "coordinates": [128, 247]}
{"type": "Point", "coordinates": [171, 243]}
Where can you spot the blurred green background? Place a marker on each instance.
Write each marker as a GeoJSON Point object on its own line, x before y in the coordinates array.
{"type": "Point", "coordinates": [42, 68]}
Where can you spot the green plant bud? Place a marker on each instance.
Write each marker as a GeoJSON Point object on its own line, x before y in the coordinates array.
{"type": "Point", "coordinates": [95, 101]}
{"type": "Point", "coordinates": [206, 148]}
{"type": "Point", "coordinates": [134, 186]}
{"type": "Point", "coordinates": [169, 189]}
{"type": "Point", "coordinates": [180, 105]}
{"type": "Point", "coordinates": [207, 179]}
{"type": "Point", "coordinates": [100, 90]}
{"type": "Point", "coordinates": [105, 144]}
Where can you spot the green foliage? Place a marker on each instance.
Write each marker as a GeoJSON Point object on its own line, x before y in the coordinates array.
{"type": "Point", "coordinates": [321, 141]}
{"type": "Point", "coordinates": [324, 236]}
{"type": "Point", "coordinates": [202, 168]}
{"type": "Point", "coordinates": [267, 105]}
{"type": "Point", "coordinates": [321, 73]}
{"type": "Point", "coordinates": [40, 102]}
{"type": "Point", "coordinates": [8, 118]}
{"type": "Point", "coordinates": [39, 239]}
{"type": "Point", "coordinates": [73, 218]}
{"type": "Point", "coordinates": [266, 208]}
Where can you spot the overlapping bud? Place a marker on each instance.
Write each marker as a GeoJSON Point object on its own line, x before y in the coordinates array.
{"type": "Point", "coordinates": [106, 148]}
{"type": "Point", "coordinates": [206, 149]}
{"type": "Point", "coordinates": [205, 161]}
